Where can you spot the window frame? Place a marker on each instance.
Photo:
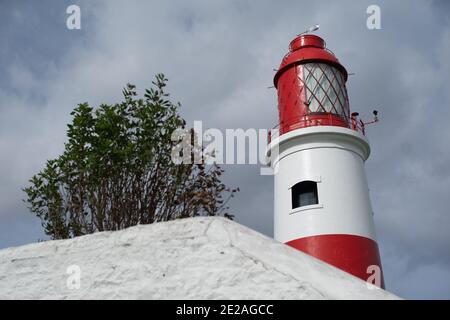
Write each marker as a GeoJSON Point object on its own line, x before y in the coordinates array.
{"type": "Point", "coordinates": [326, 90]}
{"type": "Point", "coordinates": [317, 205]}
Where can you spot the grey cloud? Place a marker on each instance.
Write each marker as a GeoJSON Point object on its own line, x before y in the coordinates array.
{"type": "Point", "coordinates": [219, 58]}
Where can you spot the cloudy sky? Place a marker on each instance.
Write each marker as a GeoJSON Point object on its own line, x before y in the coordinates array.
{"type": "Point", "coordinates": [219, 57]}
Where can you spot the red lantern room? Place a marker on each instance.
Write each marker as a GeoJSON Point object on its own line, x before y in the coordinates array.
{"type": "Point", "coordinates": [311, 86]}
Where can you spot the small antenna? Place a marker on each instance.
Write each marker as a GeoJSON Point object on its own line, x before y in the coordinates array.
{"type": "Point", "coordinates": [310, 29]}
{"type": "Point", "coordinates": [375, 118]}
{"type": "Point", "coordinates": [375, 115]}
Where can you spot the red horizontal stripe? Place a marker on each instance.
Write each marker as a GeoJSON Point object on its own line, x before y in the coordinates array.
{"type": "Point", "coordinates": [353, 254]}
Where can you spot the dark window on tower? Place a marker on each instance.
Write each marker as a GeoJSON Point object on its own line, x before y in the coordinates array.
{"type": "Point", "coordinates": [304, 194]}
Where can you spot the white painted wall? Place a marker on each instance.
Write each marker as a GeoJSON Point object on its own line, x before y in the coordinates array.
{"type": "Point", "coordinates": [334, 158]}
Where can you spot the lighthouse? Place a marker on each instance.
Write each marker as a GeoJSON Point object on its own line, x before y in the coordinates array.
{"type": "Point", "coordinates": [321, 195]}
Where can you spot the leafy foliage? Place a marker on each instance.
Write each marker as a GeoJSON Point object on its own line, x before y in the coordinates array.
{"type": "Point", "coordinates": [116, 170]}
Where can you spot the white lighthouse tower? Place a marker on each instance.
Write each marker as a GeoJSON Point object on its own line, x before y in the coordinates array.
{"type": "Point", "coordinates": [322, 204]}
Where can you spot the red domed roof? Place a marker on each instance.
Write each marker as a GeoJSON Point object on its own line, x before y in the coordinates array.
{"type": "Point", "coordinates": [308, 48]}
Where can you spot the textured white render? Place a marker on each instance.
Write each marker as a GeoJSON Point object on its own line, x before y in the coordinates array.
{"type": "Point", "coordinates": [198, 258]}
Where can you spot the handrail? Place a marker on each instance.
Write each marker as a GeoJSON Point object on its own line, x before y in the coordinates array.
{"type": "Point", "coordinates": [330, 120]}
